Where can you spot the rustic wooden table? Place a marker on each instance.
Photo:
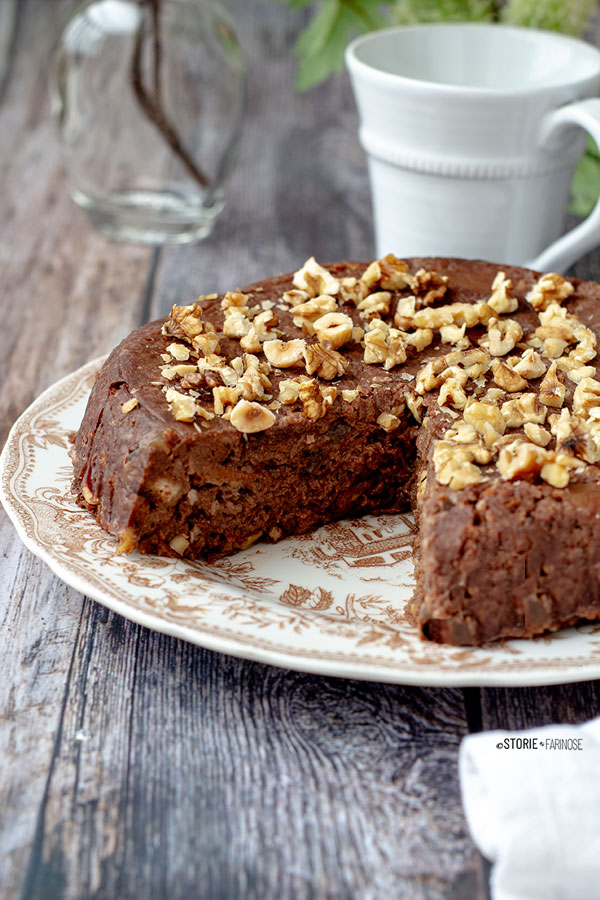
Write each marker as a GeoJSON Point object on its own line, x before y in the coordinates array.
{"type": "Point", "coordinates": [202, 775]}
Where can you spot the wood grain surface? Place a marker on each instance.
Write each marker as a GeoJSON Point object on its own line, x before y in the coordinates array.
{"type": "Point", "coordinates": [134, 765]}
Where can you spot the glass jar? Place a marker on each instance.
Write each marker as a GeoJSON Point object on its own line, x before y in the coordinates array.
{"type": "Point", "coordinates": [149, 97]}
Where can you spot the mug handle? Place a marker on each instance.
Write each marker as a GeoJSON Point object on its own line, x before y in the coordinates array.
{"type": "Point", "coordinates": [585, 236]}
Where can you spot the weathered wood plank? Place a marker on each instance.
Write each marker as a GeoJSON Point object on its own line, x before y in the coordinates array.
{"type": "Point", "coordinates": [532, 707]}
{"type": "Point", "coordinates": [202, 775]}
{"type": "Point", "coordinates": [66, 295]}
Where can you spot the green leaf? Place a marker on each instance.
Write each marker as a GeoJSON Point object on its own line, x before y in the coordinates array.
{"type": "Point", "coordinates": [585, 187]}
{"type": "Point", "coordinates": [321, 45]}
{"type": "Point", "coordinates": [568, 16]}
{"type": "Point", "coordinates": [412, 12]}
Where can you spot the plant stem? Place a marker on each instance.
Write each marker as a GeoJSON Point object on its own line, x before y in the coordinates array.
{"type": "Point", "coordinates": [152, 105]}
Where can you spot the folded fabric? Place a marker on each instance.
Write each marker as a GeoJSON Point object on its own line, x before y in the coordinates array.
{"type": "Point", "coordinates": [532, 802]}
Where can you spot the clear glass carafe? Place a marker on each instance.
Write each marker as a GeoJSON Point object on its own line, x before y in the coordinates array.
{"type": "Point", "coordinates": [149, 98]}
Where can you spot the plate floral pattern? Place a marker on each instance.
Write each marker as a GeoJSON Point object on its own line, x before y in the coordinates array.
{"type": "Point", "coordinates": [333, 602]}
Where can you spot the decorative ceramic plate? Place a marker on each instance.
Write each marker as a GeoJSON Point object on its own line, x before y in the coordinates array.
{"type": "Point", "coordinates": [332, 602]}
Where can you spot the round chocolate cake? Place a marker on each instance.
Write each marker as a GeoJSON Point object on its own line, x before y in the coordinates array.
{"type": "Point", "coordinates": [462, 390]}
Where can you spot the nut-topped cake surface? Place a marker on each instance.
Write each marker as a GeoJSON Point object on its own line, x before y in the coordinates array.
{"type": "Point", "coordinates": [466, 389]}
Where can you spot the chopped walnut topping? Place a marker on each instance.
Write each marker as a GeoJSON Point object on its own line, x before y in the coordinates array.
{"type": "Point", "coordinates": [305, 314]}
{"type": "Point", "coordinates": [254, 383]}
{"type": "Point", "coordinates": [550, 288]}
{"type": "Point", "coordinates": [179, 352]}
{"type": "Point", "coordinates": [185, 321]}
{"type": "Point", "coordinates": [384, 345]}
{"type": "Point", "coordinates": [224, 397]}
{"type": "Point", "coordinates": [181, 371]}
{"type": "Point", "coordinates": [405, 312]}
{"type": "Point", "coordinates": [316, 399]}
{"type": "Point", "coordinates": [372, 274]}
{"type": "Point", "coordinates": [208, 342]}
{"type": "Point", "coordinates": [325, 363]}
{"type": "Point", "coordinates": [315, 280]}
{"type": "Point", "coordinates": [552, 390]}
{"type": "Point", "coordinates": [572, 436]}
{"type": "Point", "coordinates": [526, 408]}
{"type": "Point", "coordinates": [129, 405]}
{"type": "Point", "coordinates": [470, 314]}
{"type": "Point", "coordinates": [577, 374]}
{"type": "Point", "coordinates": [486, 419]}
{"type": "Point", "coordinates": [554, 347]}
{"type": "Point", "coordinates": [502, 337]}
{"type": "Point", "coordinates": [454, 466]}
{"type": "Point", "coordinates": [350, 395]}
{"type": "Point", "coordinates": [520, 459]}
{"type": "Point", "coordinates": [288, 390]}
{"type": "Point", "coordinates": [394, 274]}
{"type": "Point", "coordinates": [559, 330]}
{"type": "Point", "coordinates": [334, 329]}
{"type": "Point", "coordinates": [476, 362]}
{"type": "Point", "coordinates": [452, 334]}
{"type": "Point", "coordinates": [506, 378]}
{"type": "Point", "coordinates": [537, 434]}
{"type": "Point", "coordinates": [259, 331]}
{"type": "Point", "coordinates": [586, 397]}
{"type": "Point", "coordinates": [236, 324]}
{"type": "Point", "coordinates": [452, 393]}
{"type": "Point", "coordinates": [531, 365]}
{"type": "Point", "coordinates": [388, 421]}
{"type": "Point", "coordinates": [419, 339]}
{"type": "Point", "coordinates": [234, 299]}
{"type": "Point", "coordinates": [375, 305]}
{"type": "Point", "coordinates": [284, 354]}
{"type": "Point", "coordinates": [502, 300]}
{"type": "Point", "coordinates": [415, 405]}
{"type": "Point", "coordinates": [295, 298]}
{"type": "Point", "coordinates": [555, 474]}
{"type": "Point", "coordinates": [429, 286]}
{"type": "Point", "coordinates": [183, 407]}
{"type": "Point", "coordinates": [250, 417]}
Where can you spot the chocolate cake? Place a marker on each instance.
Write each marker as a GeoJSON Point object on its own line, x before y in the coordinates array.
{"type": "Point", "coordinates": [466, 391]}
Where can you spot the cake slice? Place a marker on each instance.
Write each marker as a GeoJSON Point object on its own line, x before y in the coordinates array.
{"type": "Point", "coordinates": [463, 390]}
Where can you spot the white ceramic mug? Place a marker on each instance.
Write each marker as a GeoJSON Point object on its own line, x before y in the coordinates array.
{"type": "Point", "coordinates": [472, 133]}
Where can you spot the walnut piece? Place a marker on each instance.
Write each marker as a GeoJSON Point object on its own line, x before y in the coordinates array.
{"type": "Point", "coordinates": [486, 419]}
{"type": "Point", "coordinates": [185, 321]}
{"type": "Point", "coordinates": [507, 378]}
{"type": "Point", "coordinates": [503, 336]}
{"type": "Point", "coordinates": [325, 363]}
{"type": "Point", "coordinates": [526, 408]}
{"type": "Point", "coordinates": [552, 390]}
{"type": "Point", "coordinates": [550, 288]}
{"type": "Point", "coordinates": [316, 399]}
{"type": "Point", "coordinates": [183, 407]}
{"type": "Point", "coordinates": [315, 279]}
{"type": "Point", "coordinates": [531, 365]}
{"type": "Point", "coordinates": [537, 434]}
{"type": "Point", "coordinates": [453, 465]}
{"type": "Point", "coordinates": [502, 300]}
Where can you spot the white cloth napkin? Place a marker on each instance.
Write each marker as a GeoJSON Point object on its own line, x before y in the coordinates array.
{"type": "Point", "coordinates": [534, 811]}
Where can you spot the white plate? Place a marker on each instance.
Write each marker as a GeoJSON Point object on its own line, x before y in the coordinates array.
{"type": "Point", "coordinates": [332, 602]}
